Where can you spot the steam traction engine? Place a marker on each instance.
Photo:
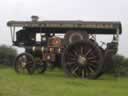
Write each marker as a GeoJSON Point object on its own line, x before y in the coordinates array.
{"type": "Point", "coordinates": [71, 45]}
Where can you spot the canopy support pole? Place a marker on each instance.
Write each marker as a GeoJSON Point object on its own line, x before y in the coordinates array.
{"type": "Point", "coordinates": [12, 30]}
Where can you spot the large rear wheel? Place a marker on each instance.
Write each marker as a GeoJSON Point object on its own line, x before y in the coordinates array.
{"type": "Point", "coordinates": [83, 59]}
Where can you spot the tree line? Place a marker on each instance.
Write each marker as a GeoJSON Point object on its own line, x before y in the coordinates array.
{"type": "Point", "coordinates": [7, 55]}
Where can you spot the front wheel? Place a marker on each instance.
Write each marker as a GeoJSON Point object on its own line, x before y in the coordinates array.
{"type": "Point", "coordinates": [24, 63]}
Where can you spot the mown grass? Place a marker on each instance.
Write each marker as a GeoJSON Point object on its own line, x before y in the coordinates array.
{"type": "Point", "coordinates": [56, 84]}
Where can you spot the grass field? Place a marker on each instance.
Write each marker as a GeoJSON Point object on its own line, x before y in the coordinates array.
{"type": "Point", "coordinates": [56, 84]}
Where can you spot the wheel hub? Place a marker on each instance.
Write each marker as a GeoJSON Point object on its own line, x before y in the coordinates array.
{"type": "Point", "coordinates": [82, 60]}
{"type": "Point", "coordinates": [23, 64]}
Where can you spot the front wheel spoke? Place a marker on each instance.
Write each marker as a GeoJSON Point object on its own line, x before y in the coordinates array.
{"type": "Point", "coordinates": [20, 59]}
{"type": "Point", "coordinates": [29, 65]}
{"type": "Point", "coordinates": [24, 58]}
{"type": "Point", "coordinates": [23, 70]}
{"type": "Point", "coordinates": [30, 62]}
{"type": "Point", "coordinates": [20, 68]}
{"type": "Point", "coordinates": [20, 64]}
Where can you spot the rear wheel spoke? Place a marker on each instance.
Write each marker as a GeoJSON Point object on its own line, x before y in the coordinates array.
{"type": "Point", "coordinates": [83, 73]}
{"type": "Point", "coordinates": [92, 61]}
{"type": "Point", "coordinates": [90, 69]}
{"type": "Point", "coordinates": [75, 69]}
{"type": "Point", "coordinates": [88, 52]}
{"type": "Point", "coordinates": [86, 72]}
{"type": "Point", "coordinates": [92, 58]}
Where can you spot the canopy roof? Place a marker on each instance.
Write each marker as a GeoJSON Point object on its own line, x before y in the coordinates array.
{"type": "Point", "coordinates": [109, 27]}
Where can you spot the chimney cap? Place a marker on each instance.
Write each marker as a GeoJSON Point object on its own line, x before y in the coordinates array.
{"type": "Point", "coordinates": [34, 18]}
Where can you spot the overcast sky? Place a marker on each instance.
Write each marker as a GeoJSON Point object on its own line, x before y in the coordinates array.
{"type": "Point", "coordinates": [87, 10]}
